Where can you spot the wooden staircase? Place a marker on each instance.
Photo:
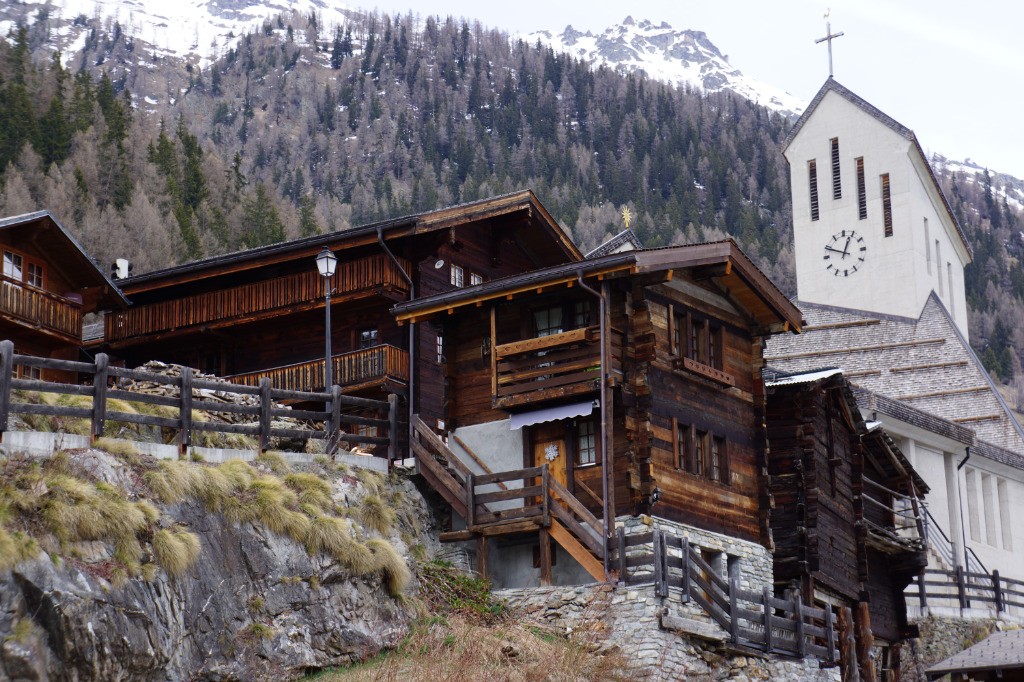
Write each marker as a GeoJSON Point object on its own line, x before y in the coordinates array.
{"type": "Point", "coordinates": [508, 502]}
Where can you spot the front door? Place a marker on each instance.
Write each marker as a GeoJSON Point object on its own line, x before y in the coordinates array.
{"type": "Point", "coordinates": [549, 448]}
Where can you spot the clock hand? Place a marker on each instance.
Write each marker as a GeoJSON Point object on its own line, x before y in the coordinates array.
{"type": "Point", "coordinates": [846, 248]}
{"type": "Point", "coordinates": [829, 248]}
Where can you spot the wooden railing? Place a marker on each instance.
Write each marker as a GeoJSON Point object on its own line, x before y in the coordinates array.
{"type": "Point", "coordinates": [527, 495]}
{"type": "Point", "coordinates": [553, 366]}
{"type": "Point", "coordinates": [757, 620]}
{"type": "Point", "coordinates": [366, 275]}
{"type": "Point", "coordinates": [348, 369]}
{"type": "Point", "coordinates": [41, 308]}
{"type": "Point", "coordinates": [965, 589]}
{"type": "Point", "coordinates": [193, 398]}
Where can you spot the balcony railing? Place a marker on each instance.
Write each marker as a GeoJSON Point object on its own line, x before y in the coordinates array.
{"type": "Point", "coordinates": [365, 276]}
{"type": "Point", "coordinates": [549, 367]}
{"type": "Point", "coordinates": [349, 370]}
{"type": "Point", "coordinates": [42, 309]}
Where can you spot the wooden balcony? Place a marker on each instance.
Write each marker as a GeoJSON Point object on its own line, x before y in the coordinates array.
{"type": "Point", "coordinates": [42, 310]}
{"type": "Point", "coordinates": [351, 371]}
{"type": "Point", "coordinates": [376, 275]}
{"type": "Point", "coordinates": [551, 367]}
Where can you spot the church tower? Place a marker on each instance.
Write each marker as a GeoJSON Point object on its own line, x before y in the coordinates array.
{"type": "Point", "coordinates": [872, 229]}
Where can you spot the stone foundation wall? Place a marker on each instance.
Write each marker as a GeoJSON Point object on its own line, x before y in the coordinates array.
{"type": "Point", "coordinates": [630, 620]}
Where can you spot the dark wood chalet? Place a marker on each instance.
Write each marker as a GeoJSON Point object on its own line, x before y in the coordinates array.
{"type": "Point", "coordinates": [47, 286]}
{"type": "Point", "coordinates": [260, 312]}
{"type": "Point", "coordinates": [634, 377]}
{"type": "Point", "coordinates": [847, 517]}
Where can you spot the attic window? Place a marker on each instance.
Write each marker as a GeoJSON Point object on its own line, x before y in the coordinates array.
{"type": "Point", "coordinates": [837, 188]}
{"type": "Point", "coordinates": [457, 276]}
{"type": "Point", "coordinates": [886, 205]}
{"type": "Point", "coordinates": [812, 174]}
{"type": "Point", "coordinates": [34, 275]}
{"type": "Point", "coordinates": [862, 198]}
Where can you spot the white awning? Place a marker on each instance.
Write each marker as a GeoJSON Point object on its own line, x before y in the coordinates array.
{"type": "Point", "coordinates": [551, 414]}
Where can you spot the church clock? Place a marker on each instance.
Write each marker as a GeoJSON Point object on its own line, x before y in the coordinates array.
{"type": "Point", "coordinates": [844, 253]}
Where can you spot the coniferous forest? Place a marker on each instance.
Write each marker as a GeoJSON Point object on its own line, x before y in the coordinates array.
{"type": "Point", "coordinates": [304, 128]}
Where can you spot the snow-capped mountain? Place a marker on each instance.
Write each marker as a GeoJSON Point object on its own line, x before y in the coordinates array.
{"type": "Point", "coordinates": [666, 54]}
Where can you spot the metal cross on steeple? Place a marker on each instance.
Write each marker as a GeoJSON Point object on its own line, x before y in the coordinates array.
{"type": "Point", "coordinates": [829, 36]}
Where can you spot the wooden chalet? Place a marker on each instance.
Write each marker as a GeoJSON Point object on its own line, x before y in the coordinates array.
{"type": "Point", "coordinates": [847, 518]}
{"type": "Point", "coordinates": [260, 312]}
{"type": "Point", "coordinates": [47, 286]}
{"type": "Point", "coordinates": [619, 385]}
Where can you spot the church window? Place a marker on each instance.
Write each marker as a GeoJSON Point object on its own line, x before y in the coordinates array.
{"type": "Point", "coordinates": [938, 259]}
{"type": "Point", "coordinates": [812, 171]}
{"type": "Point", "coordinates": [972, 505]}
{"type": "Point", "coordinates": [949, 274]}
{"type": "Point", "coordinates": [988, 497]}
{"type": "Point", "coordinates": [837, 187]}
{"type": "Point", "coordinates": [1004, 514]}
{"type": "Point", "coordinates": [927, 246]}
{"type": "Point", "coordinates": [886, 205]}
{"type": "Point", "coordinates": [862, 195]}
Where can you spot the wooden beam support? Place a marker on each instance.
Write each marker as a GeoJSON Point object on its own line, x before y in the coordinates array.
{"type": "Point", "coordinates": [849, 672]}
{"type": "Point", "coordinates": [545, 557]}
{"type": "Point", "coordinates": [865, 640]}
{"type": "Point", "coordinates": [481, 557]}
{"type": "Point", "coordinates": [577, 550]}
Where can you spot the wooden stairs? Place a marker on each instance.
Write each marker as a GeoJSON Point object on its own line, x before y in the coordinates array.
{"type": "Point", "coordinates": [510, 502]}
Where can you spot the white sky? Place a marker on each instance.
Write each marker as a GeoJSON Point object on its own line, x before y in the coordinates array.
{"type": "Point", "coordinates": [951, 70]}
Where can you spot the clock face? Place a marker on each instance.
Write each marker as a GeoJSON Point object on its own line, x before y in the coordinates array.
{"type": "Point", "coordinates": [844, 253]}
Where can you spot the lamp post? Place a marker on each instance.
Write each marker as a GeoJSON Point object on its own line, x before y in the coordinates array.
{"type": "Point", "coordinates": [326, 262]}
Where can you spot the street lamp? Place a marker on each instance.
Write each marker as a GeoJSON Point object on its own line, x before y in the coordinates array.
{"type": "Point", "coordinates": [326, 262]}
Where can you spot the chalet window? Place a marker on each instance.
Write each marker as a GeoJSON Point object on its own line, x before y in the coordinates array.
{"type": "Point", "coordinates": [862, 196]}
{"type": "Point", "coordinates": [837, 189]}
{"type": "Point", "coordinates": [547, 321]}
{"type": "Point", "coordinates": [439, 347]}
{"type": "Point", "coordinates": [581, 314]}
{"type": "Point", "coordinates": [475, 279]}
{"type": "Point", "coordinates": [886, 205]}
{"type": "Point", "coordinates": [13, 265]}
{"type": "Point", "coordinates": [26, 372]}
{"type": "Point", "coordinates": [368, 338]}
{"type": "Point", "coordinates": [718, 469]}
{"type": "Point", "coordinates": [812, 174]}
{"type": "Point", "coordinates": [586, 442]}
{"type": "Point", "coordinates": [457, 276]}
{"type": "Point", "coordinates": [701, 453]}
{"type": "Point", "coordinates": [34, 275]}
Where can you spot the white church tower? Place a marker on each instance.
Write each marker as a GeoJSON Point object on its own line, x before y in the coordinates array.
{"type": "Point", "coordinates": [872, 229]}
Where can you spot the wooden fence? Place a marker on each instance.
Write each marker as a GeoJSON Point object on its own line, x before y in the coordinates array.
{"type": "Point", "coordinates": [966, 589]}
{"type": "Point", "coordinates": [757, 620]}
{"type": "Point", "coordinates": [367, 417]}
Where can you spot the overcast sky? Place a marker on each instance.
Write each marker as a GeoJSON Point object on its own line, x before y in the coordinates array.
{"type": "Point", "coordinates": [951, 70]}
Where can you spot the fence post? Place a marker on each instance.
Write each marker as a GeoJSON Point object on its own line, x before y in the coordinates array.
{"type": "Point", "coordinates": [470, 502]}
{"type": "Point", "coordinates": [961, 588]}
{"type": "Point", "coordinates": [264, 414]}
{"type": "Point", "coordinates": [801, 645]}
{"type": "Point", "coordinates": [99, 397]}
{"type": "Point", "coordinates": [734, 612]}
{"type": "Point", "coordinates": [766, 602]}
{"type": "Point", "coordinates": [621, 534]}
{"type": "Point", "coordinates": [185, 435]}
{"type": "Point", "coordinates": [6, 373]}
{"type": "Point", "coordinates": [922, 594]}
{"type": "Point", "coordinates": [686, 569]}
{"type": "Point", "coordinates": [830, 633]}
{"type": "Point", "coordinates": [392, 427]}
{"type": "Point", "coordinates": [545, 501]}
{"type": "Point", "coordinates": [997, 589]}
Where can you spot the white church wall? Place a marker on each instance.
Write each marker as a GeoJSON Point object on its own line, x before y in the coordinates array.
{"type": "Point", "coordinates": [993, 506]}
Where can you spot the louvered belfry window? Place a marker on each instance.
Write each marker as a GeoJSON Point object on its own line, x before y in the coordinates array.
{"type": "Point", "coordinates": [862, 195]}
{"type": "Point", "coordinates": [886, 205]}
{"type": "Point", "coordinates": [837, 186]}
{"type": "Point", "coordinates": [812, 172]}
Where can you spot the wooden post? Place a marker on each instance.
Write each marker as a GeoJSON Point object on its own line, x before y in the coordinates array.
{"type": "Point", "coordinates": [766, 602]}
{"type": "Point", "coordinates": [686, 570]}
{"type": "Point", "coordinates": [830, 634]}
{"type": "Point", "coordinates": [734, 612]}
{"type": "Point", "coordinates": [961, 588]}
{"type": "Point", "coordinates": [494, 354]}
{"type": "Point", "coordinates": [659, 577]}
{"type": "Point", "coordinates": [99, 397]}
{"type": "Point", "coordinates": [481, 556]}
{"type": "Point", "coordinates": [865, 640]}
{"type": "Point", "coordinates": [471, 513]}
{"type": "Point", "coordinates": [621, 533]}
{"type": "Point", "coordinates": [545, 501]}
{"type": "Point", "coordinates": [185, 404]}
{"type": "Point", "coordinates": [6, 373]}
{"type": "Point", "coordinates": [264, 414]}
{"type": "Point", "coordinates": [895, 670]}
{"type": "Point", "coordinates": [545, 557]}
{"type": "Point", "coordinates": [997, 590]}
{"type": "Point", "coordinates": [392, 427]}
{"type": "Point", "coordinates": [663, 562]}
{"type": "Point", "coordinates": [847, 658]}
{"type": "Point", "coordinates": [801, 644]}
{"type": "Point", "coordinates": [922, 594]}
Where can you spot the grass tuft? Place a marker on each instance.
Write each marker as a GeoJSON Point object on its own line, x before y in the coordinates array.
{"type": "Point", "coordinates": [376, 515]}
{"type": "Point", "coordinates": [391, 566]}
{"type": "Point", "coordinates": [176, 550]}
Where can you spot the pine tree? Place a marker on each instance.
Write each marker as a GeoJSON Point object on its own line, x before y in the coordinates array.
{"type": "Point", "coordinates": [262, 219]}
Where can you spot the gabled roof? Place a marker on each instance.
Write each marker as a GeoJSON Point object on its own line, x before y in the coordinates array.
{"type": "Point", "coordinates": [623, 241]}
{"type": "Point", "coordinates": [734, 270]}
{"type": "Point", "coordinates": [64, 253]}
{"type": "Point", "coordinates": [998, 655]}
{"type": "Point", "coordinates": [417, 223]}
{"type": "Point", "coordinates": [832, 85]}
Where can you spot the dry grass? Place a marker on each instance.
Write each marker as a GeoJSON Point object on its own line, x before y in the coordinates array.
{"type": "Point", "coordinates": [376, 515]}
{"type": "Point", "coordinates": [453, 648]}
{"type": "Point", "coordinates": [176, 550]}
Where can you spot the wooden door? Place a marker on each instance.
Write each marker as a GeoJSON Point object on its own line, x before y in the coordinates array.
{"type": "Point", "coordinates": [550, 449]}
